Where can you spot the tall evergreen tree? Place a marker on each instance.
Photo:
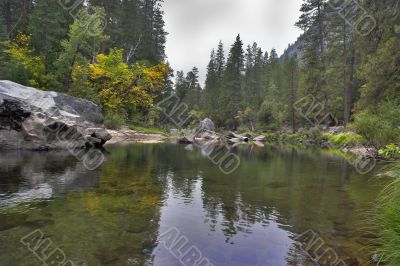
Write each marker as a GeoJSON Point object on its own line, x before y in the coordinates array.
{"type": "Point", "coordinates": [291, 72]}
{"type": "Point", "coordinates": [313, 22]}
{"type": "Point", "coordinates": [181, 88]}
{"type": "Point", "coordinates": [220, 61]}
{"type": "Point", "coordinates": [131, 34]}
{"type": "Point", "coordinates": [230, 97]}
{"type": "Point", "coordinates": [211, 91]}
{"type": "Point", "coordinates": [49, 24]}
{"type": "Point", "coordinates": [194, 88]}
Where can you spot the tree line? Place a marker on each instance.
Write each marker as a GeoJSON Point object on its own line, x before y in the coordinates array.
{"type": "Point", "coordinates": [347, 59]}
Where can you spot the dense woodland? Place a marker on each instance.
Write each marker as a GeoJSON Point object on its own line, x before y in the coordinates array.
{"type": "Point", "coordinates": [110, 52]}
{"type": "Point", "coordinates": [354, 74]}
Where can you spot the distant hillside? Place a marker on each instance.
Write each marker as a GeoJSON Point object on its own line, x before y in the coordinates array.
{"type": "Point", "coordinates": [293, 50]}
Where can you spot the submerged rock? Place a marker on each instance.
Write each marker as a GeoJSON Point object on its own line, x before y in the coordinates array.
{"type": "Point", "coordinates": [42, 120]}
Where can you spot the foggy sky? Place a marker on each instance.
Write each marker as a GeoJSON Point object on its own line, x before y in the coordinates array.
{"type": "Point", "coordinates": [196, 26]}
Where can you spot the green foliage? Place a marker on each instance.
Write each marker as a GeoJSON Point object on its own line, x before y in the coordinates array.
{"type": "Point", "coordinates": [382, 74]}
{"type": "Point", "coordinates": [113, 121]}
{"type": "Point", "coordinates": [390, 152]}
{"type": "Point", "coordinates": [379, 125]}
{"type": "Point", "coordinates": [347, 139]}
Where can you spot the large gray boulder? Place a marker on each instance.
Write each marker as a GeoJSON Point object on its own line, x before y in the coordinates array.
{"type": "Point", "coordinates": [206, 124]}
{"type": "Point", "coordinates": [42, 120]}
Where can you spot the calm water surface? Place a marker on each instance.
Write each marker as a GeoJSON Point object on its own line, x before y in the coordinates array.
{"type": "Point", "coordinates": [120, 213]}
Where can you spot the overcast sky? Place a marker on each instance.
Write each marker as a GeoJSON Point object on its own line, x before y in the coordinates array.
{"type": "Point", "coordinates": [196, 26]}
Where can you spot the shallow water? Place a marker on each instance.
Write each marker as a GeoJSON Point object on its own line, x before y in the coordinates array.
{"type": "Point", "coordinates": [150, 204]}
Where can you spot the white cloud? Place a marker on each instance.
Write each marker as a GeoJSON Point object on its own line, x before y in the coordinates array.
{"type": "Point", "coordinates": [196, 26]}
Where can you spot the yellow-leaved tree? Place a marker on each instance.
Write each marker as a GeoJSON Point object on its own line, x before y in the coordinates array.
{"type": "Point", "coordinates": [22, 65]}
{"type": "Point", "coordinates": [120, 85]}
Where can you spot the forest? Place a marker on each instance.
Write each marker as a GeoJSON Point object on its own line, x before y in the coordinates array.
{"type": "Point", "coordinates": [346, 62]}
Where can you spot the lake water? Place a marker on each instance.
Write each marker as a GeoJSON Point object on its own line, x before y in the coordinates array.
{"type": "Point", "coordinates": [159, 204]}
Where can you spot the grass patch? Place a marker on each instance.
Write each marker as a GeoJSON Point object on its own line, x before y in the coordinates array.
{"type": "Point", "coordinates": [347, 139]}
{"type": "Point", "coordinates": [388, 219]}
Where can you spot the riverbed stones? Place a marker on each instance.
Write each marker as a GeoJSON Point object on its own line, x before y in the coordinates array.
{"type": "Point", "coordinates": [42, 120]}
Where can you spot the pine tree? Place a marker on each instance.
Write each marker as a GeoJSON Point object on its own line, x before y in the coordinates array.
{"type": "Point", "coordinates": [154, 35]}
{"type": "Point", "coordinates": [252, 84]}
{"type": "Point", "coordinates": [340, 68]}
{"type": "Point", "coordinates": [230, 97]}
{"type": "Point", "coordinates": [220, 61]}
{"type": "Point", "coordinates": [113, 11]}
{"type": "Point", "coordinates": [194, 88]}
{"type": "Point", "coordinates": [48, 25]}
{"type": "Point", "coordinates": [313, 22]}
{"type": "Point", "coordinates": [211, 90]}
{"type": "Point", "coordinates": [291, 72]}
{"type": "Point", "coordinates": [181, 88]}
{"type": "Point", "coordinates": [131, 36]}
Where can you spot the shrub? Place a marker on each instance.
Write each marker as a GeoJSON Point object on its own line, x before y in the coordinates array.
{"type": "Point", "coordinates": [113, 121]}
{"type": "Point", "coordinates": [314, 133]}
{"type": "Point", "coordinates": [390, 152]}
{"type": "Point", "coordinates": [380, 125]}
